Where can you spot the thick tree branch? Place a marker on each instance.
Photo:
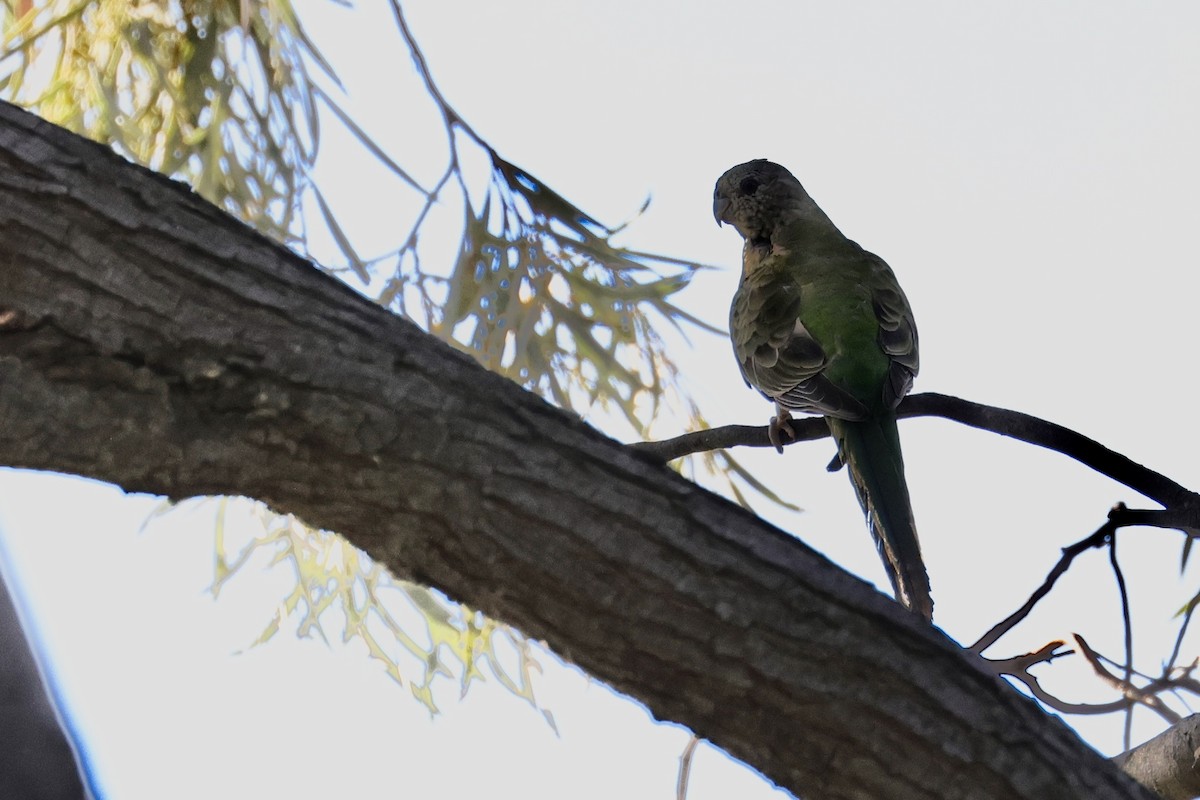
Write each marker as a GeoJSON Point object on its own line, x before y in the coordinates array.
{"type": "Point", "coordinates": [1169, 763]}
{"type": "Point", "coordinates": [151, 341]}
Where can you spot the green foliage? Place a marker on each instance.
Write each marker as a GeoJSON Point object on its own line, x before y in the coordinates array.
{"type": "Point", "coordinates": [541, 295]}
{"type": "Point", "coordinates": [217, 93]}
{"type": "Point", "coordinates": [333, 576]}
{"type": "Point", "coordinates": [539, 291]}
{"type": "Point", "coordinates": [213, 92]}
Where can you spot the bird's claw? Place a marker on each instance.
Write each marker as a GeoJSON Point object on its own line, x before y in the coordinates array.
{"type": "Point", "coordinates": [781, 425]}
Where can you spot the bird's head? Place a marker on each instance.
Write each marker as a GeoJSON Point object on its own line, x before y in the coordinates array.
{"type": "Point", "coordinates": [752, 197]}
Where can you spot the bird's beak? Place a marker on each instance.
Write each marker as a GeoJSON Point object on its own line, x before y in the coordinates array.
{"type": "Point", "coordinates": [720, 206]}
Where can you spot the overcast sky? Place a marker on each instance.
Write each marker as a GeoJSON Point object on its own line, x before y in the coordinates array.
{"type": "Point", "coordinates": [1027, 169]}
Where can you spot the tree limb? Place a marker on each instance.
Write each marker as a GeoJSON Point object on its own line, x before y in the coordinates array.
{"type": "Point", "coordinates": [1168, 764]}
{"type": "Point", "coordinates": [153, 342]}
{"type": "Point", "coordinates": [1013, 424]}
{"type": "Point", "coordinates": [1125, 686]}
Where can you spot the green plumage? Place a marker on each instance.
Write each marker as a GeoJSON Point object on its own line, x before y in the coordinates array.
{"type": "Point", "coordinates": [820, 325]}
{"type": "Point", "coordinates": [871, 452]}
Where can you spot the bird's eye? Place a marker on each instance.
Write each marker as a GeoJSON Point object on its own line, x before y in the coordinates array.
{"type": "Point", "coordinates": [748, 185]}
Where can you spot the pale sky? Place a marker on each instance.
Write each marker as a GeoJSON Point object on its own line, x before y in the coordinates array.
{"type": "Point", "coordinates": [1027, 169]}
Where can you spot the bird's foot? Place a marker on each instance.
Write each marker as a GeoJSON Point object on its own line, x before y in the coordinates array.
{"type": "Point", "coordinates": [779, 427]}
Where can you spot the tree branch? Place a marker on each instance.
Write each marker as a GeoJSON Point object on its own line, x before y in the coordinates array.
{"type": "Point", "coordinates": [1168, 764]}
{"type": "Point", "coordinates": [151, 341]}
{"type": "Point", "coordinates": [1097, 539]}
{"type": "Point", "coordinates": [1014, 424]}
{"type": "Point", "coordinates": [1118, 517]}
{"type": "Point", "coordinates": [1125, 686]}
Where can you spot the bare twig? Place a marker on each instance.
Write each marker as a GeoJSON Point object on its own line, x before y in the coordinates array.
{"type": "Point", "coordinates": [727, 436]}
{"type": "Point", "coordinates": [685, 767]}
{"type": "Point", "coordinates": [1017, 667]}
{"type": "Point", "coordinates": [1097, 539]}
{"type": "Point", "coordinates": [1014, 665]}
{"type": "Point", "coordinates": [1183, 627]}
{"type": "Point", "coordinates": [1128, 627]}
{"type": "Point", "coordinates": [1118, 517]}
{"type": "Point", "coordinates": [1147, 697]}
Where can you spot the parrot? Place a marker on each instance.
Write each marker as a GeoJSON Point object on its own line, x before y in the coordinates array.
{"type": "Point", "coordinates": [820, 325]}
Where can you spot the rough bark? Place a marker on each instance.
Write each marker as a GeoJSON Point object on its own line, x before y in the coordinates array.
{"type": "Point", "coordinates": [149, 340]}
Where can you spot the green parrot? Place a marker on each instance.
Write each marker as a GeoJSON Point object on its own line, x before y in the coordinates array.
{"type": "Point", "coordinates": [820, 325]}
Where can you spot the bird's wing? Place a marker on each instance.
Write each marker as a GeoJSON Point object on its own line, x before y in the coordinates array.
{"type": "Point", "coordinates": [777, 354]}
{"type": "Point", "coordinates": [897, 331]}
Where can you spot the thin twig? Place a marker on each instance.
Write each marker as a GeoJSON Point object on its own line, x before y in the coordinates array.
{"type": "Point", "coordinates": [448, 113]}
{"type": "Point", "coordinates": [1017, 664]}
{"type": "Point", "coordinates": [1062, 706]}
{"type": "Point", "coordinates": [1132, 693]}
{"type": "Point", "coordinates": [1017, 667]}
{"type": "Point", "coordinates": [1069, 554]}
{"type": "Point", "coordinates": [1123, 590]}
{"type": "Point", "coordinates": [1183, 626]}
{"type": "Point", "coordinates": [725, 437]}
{"type": "Point", "coordinates": [685, 767]}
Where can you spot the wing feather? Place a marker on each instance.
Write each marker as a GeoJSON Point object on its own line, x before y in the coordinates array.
{"type": "Point", "coordinates": [897, 333]}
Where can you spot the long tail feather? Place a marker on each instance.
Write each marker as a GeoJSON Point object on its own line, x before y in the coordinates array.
{"type": "Point", "coordinates": [871, 451]}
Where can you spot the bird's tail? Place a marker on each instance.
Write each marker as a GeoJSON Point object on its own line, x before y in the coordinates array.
{"type": "Point", "coordinates": [870, 449]}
